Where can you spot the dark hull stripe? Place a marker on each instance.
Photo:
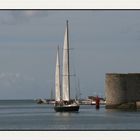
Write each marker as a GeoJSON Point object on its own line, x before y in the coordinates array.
{"type": "Point", "coordinates": [66, 109]}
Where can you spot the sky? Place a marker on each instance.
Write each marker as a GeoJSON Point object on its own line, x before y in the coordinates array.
{"type": "Point", "coordinates": [101, 41]}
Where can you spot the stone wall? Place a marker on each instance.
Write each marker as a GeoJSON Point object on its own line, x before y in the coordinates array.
{"type": "Point", "coordinates": [133, 87]}
{"type": "Point", "coordinates": [122, 90]}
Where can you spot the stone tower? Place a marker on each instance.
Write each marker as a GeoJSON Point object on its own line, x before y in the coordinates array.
{"type": "Point", "coordinates": [122, 90]}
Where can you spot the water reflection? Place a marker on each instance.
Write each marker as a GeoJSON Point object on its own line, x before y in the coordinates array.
{"type": "Point", "coordinates": [120, 110]}
{"type": "Point", "coordinates": [65, 114]}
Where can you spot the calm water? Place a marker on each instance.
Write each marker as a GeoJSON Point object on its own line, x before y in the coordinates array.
{"type": "Point", "coordinates": [27, 115]}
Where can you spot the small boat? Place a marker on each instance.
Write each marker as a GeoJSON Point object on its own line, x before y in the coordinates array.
{"type": "Point", "coordinates": [63, 103]}
{"type": "Point", "coordinates": [41, 101]}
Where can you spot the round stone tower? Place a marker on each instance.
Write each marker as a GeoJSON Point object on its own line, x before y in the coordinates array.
{"type": "Point", "coordinates": [115, 89]}
{"type": "Point", "coordinates": [122, 90]}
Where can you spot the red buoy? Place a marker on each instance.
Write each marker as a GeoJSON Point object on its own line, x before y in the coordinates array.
{"type": "Point", "coordinates": [97, 102]}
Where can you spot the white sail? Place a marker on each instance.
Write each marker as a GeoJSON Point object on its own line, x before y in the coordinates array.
{"type": "Point", "coordinates": [66, 78]}
{"type": "Point", "coordinates": [57, 78]}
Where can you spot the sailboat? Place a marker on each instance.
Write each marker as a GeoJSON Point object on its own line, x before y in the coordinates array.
{"type": "Point", "coordinates": [63, 103]}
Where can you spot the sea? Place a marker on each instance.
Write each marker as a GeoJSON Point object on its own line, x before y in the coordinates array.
{"type": "Point", "coordinates": [28, 115]}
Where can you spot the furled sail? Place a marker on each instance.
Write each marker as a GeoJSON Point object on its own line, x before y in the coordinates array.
{"type": "Point", "coordinates": [66, 78]}
{"type": "Point", "coordinates": [57, 78]}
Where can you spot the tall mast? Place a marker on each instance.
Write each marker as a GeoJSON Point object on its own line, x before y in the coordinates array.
{"type": "Point", "coordinates": [51, 94]}
{"type": "Point", "coordinates": [68, 57]}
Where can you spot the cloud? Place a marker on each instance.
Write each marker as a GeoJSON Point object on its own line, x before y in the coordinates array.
{"type": "Point", "coordinates": [12, 17]}
{"type": "Point", "coordinates": [15, 79]}
{"type": "Point", "coordinates": [18, 86]}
